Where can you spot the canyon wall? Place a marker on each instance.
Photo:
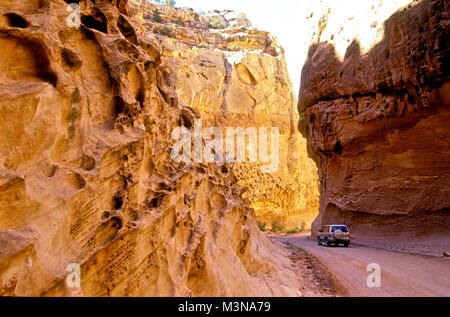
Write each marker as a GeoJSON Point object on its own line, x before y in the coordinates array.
{"type": "Point", "coordinates": [234, 75]}
{"type": "Point", "coordinates": [86, 175]}
{"type": "Point", "coordinates": [375, 107]}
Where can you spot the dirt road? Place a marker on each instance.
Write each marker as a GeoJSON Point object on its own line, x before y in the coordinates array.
{"type": "Point", "coordinates": [401, 274]}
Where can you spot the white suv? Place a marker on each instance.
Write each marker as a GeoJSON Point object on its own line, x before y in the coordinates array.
{"type": "Point", "coordinates": [334, 234]}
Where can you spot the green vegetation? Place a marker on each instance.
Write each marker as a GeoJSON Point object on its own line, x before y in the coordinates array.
{"type": "Point", "coordinates": [203, 45]}
{"type": "Point", "coordinates": [157, 16]}
{"type": "Point", "coordinates": [294, 230]}
{"type": "Point", "coordinates": [303, 228]}
{"type": "Point", "coordinates": [277, 226]}
{"type": "Point", "coordinates": [262, 226]}
{"type": "Point", "coordinates": [217, 23]}
{"type": "Point", "coordinates": [166, 31]}
{"type": "Point", "coordinates": [179, 22]}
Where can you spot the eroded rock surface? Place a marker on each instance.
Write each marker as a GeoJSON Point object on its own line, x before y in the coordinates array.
{"type": "Point", "coordinates": [234, 76]}
{"type": "Point", "coordinates": [86, 175]}
{"type": "Point", "coordinates": [377, 121]}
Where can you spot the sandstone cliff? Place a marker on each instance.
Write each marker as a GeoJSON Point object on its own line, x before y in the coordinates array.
{"type": "Point", "coordinates": [85, 170]}
{"type": "Point", "coordinates": [374, 105]}
{"type": "Point", "coordinates": [236, 76]}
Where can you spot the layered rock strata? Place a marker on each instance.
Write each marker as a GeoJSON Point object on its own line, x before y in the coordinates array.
{"type": "Point", "coordinates": [376, 117]}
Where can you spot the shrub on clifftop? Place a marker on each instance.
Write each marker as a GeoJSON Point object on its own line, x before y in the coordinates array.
{"type": "Point", "coordinates": [217, 23]}
{"type": "Point", "coordinates": [157, 16]}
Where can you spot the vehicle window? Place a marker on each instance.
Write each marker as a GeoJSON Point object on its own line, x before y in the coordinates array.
{"type": "Point", "coordinates": [342, 228]}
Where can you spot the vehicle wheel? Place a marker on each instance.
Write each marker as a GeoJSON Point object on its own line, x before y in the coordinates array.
{"type": "Point", "coordinates": [346, 244]}
{"type": "Point", "coordinates": [328, 244]}
{"type": "Point", "coordinates": [318, 241]}
{"type": "Point", "coordinates": [338, 234]}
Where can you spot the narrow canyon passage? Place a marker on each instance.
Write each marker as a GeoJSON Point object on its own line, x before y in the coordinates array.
{"type": "Point", "coordinates": [94, 201]}
{"type": "Point", "coordinates": [401, 274]}
{"type": "Point", "coordinates": [149, 150]}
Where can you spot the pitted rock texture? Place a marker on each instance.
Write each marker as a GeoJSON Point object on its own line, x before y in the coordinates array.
{"type": "Point", "coordinates": [237, 77]}
{"type": "Point", "coordinates": [86, 175]}
{"type": "Point", "coordinates": [377, 123]}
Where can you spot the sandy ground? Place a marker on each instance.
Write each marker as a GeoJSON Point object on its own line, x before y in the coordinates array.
{"type": "Point", "coordinates": [401, 274]}
{"type": "Point", "coordinates": [314, 279]}
{"type": "Point", "coordinates": [434, 245]}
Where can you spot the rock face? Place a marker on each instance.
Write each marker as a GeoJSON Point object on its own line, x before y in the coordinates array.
{"type": "Point", "coordinates": [236, 76]}
{"type": "Point", "coordinates": [86, 175]}
{"type": "Point", "coordinates": [376, 118]}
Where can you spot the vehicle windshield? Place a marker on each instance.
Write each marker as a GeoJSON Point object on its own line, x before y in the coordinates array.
{"type": "Point", "coordinates": [342, 228]}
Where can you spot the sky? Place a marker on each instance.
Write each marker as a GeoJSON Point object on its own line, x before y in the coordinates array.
{"type": "Point", "coordinates": [283, 18]}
